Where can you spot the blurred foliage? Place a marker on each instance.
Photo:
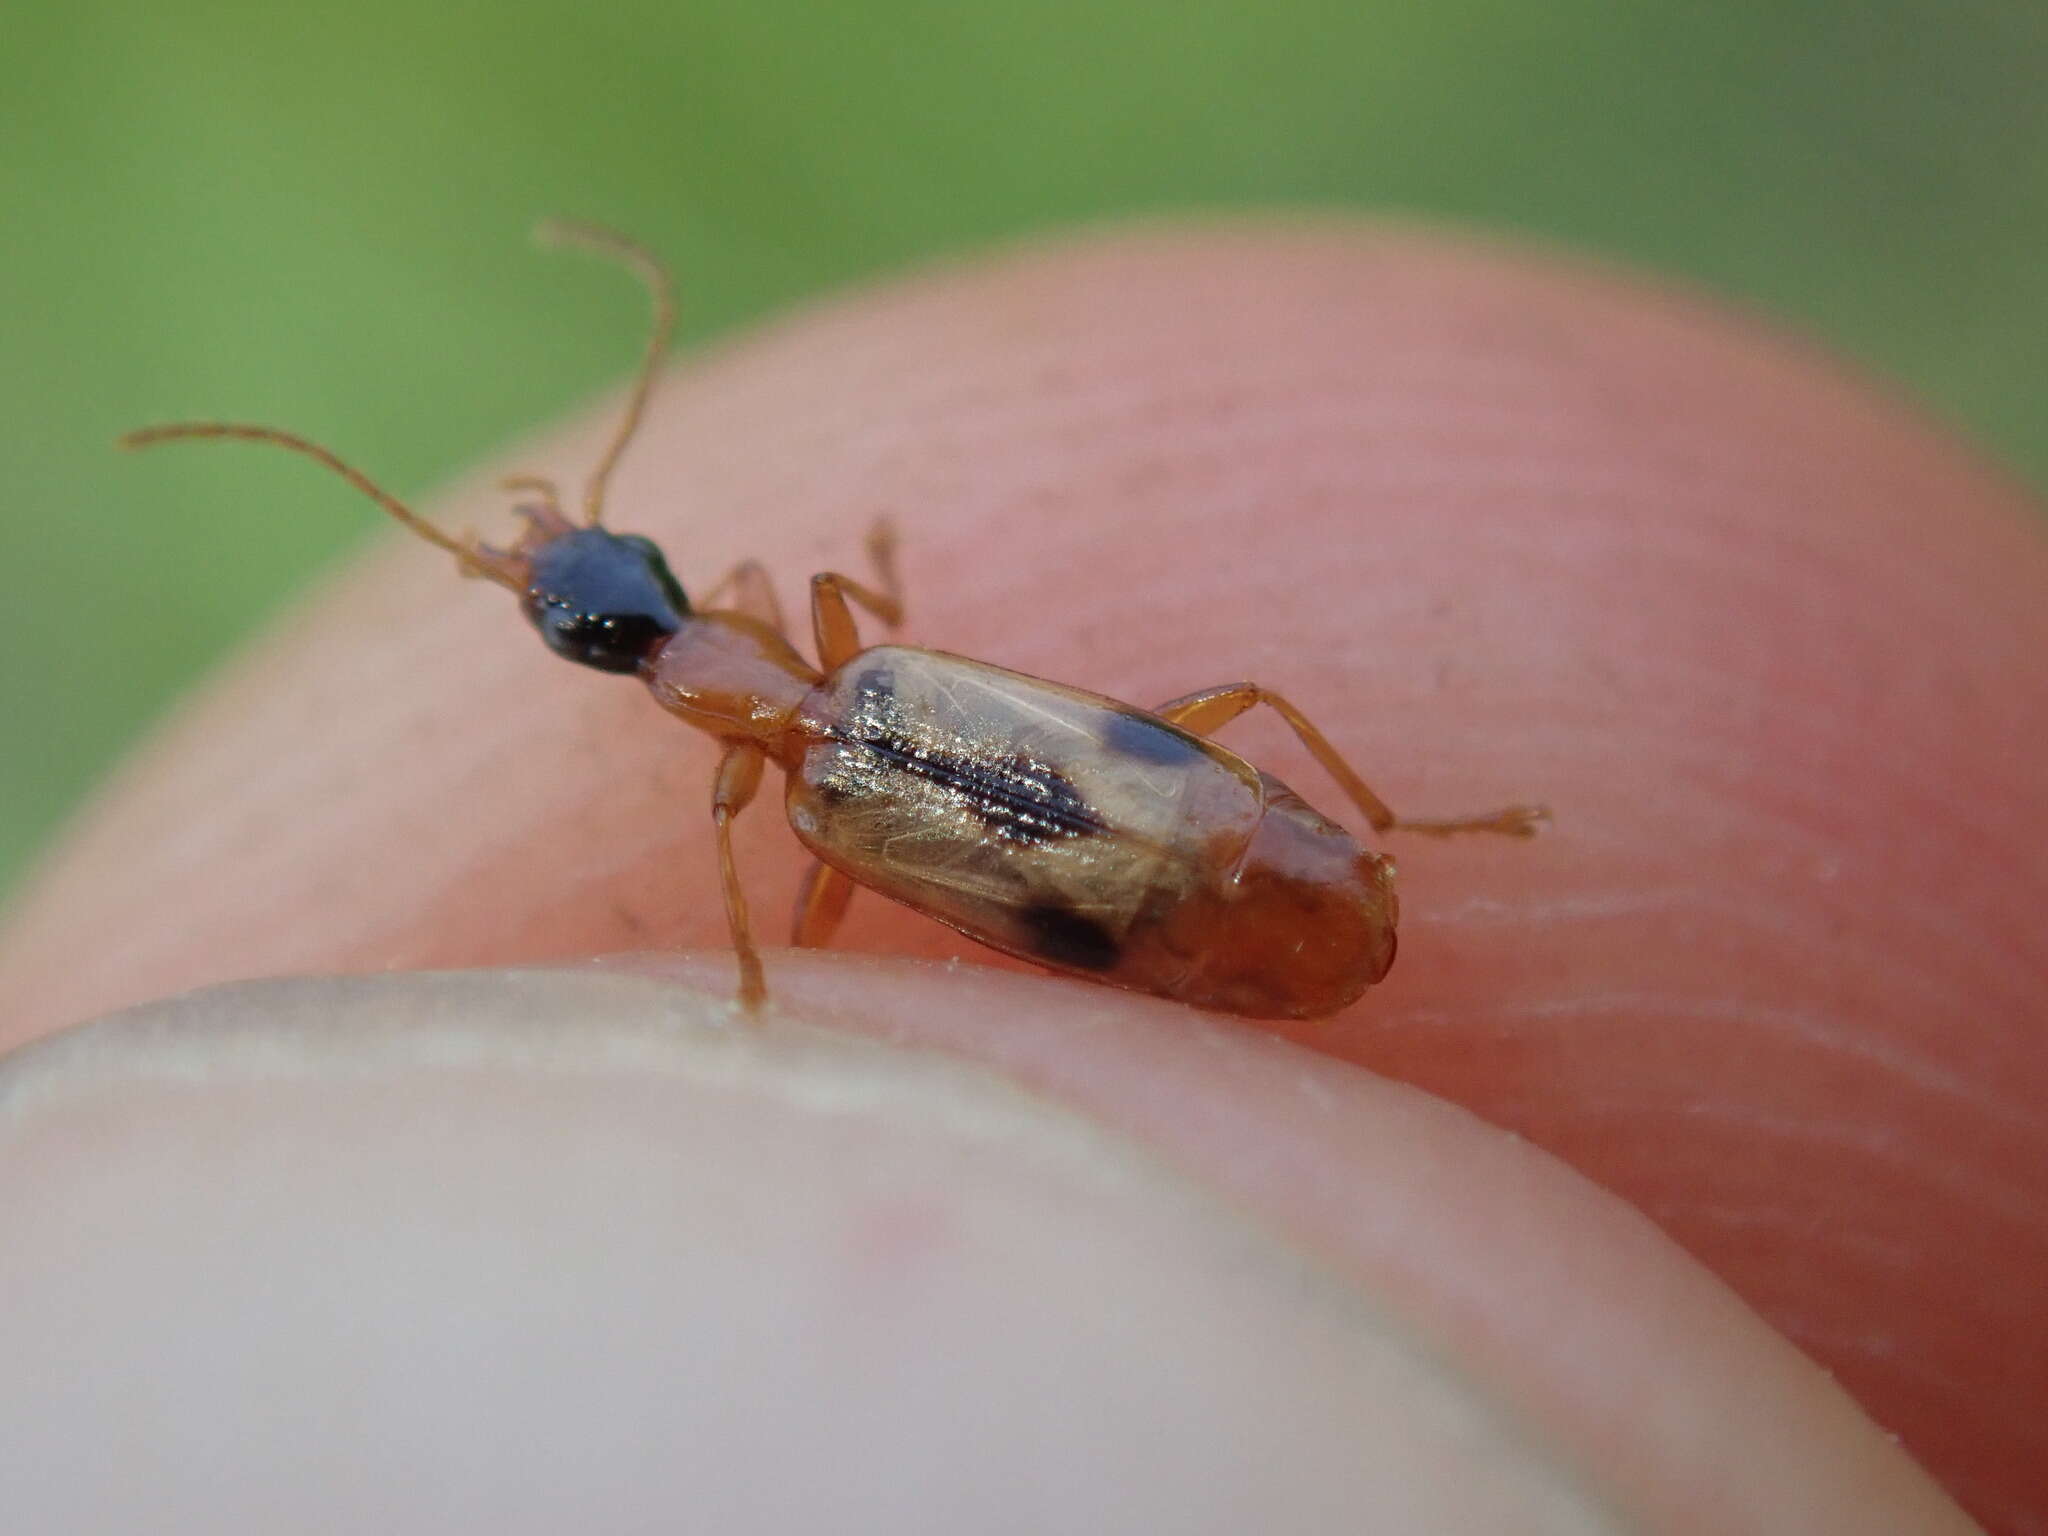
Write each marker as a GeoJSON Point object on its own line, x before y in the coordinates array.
{"type": "Point", "coordinates": [315, 216]}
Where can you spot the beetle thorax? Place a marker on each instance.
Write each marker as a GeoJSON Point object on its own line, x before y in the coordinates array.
{"type": "Point", "coordinates": [731, 675]}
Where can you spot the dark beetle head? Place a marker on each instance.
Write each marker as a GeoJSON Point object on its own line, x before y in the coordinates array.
{"type": "Point", "coordinates": [606, 600]}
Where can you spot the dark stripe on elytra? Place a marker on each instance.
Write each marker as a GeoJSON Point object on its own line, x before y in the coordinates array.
{"type": "Point", "coordinates": [1066, 937]}
{"type": "Point", "coordinates": [1146, 738]}
{"type": "Point", "coordinates": [1016, 799]}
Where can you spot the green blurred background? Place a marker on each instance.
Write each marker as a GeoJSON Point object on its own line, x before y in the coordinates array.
{"type": "Point", "coordinates": [317, 217]}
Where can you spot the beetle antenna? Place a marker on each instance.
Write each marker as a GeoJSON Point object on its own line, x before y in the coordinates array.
{"type": "Point", "coordinates": [661, 290]}
{"type": "Point", "coordinates": [473, 558]}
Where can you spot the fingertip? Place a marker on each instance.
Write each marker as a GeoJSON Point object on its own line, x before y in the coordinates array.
{"type": "Point", "coordinates": [914, 1234]}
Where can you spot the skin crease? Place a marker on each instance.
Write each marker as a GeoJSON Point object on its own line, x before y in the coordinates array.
{"type": "Point", "coordinates": [1508, 529]}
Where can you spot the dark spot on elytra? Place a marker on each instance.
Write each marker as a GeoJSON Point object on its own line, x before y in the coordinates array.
{"type": "Point", "coordinates": [1146, 738]}
{"type": "Point", "coordinates": [1066, 937]}
{"type": "Point", "coordinates": [877, 685]}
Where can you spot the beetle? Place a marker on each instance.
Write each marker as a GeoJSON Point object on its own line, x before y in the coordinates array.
{"type": "Point", "coordinates": [1082, 834]}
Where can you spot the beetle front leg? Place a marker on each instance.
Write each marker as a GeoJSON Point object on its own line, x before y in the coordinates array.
{"type": "Point", "coordinates": [739, 776]}
{"type": "Point", "coordinates": [832, 621]}
{"type": "Point", "coordinates": [1203, 713]}
{"type": "Point", "coordinates": [753, 594]}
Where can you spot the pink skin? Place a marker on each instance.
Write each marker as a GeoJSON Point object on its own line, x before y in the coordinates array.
{"type": "Point", "coordinates": [1509, 530]}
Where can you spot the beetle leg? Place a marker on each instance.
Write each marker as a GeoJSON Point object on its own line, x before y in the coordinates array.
{"type": "Point", "coordinates": [753, 594]}
{"type": "Point", "coordinates": [881, 547]}
{"type": "Point", "coordinates": [820, 905]}
{"type": "Point", "coordinates": [1204, 712]}
{"type": "Point", "coordinates": [739, 775]}
{"type": "Point", "coordinates": [832, 621]}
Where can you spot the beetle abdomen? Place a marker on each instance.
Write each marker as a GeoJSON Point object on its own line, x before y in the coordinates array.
{"type": "Point", "coordinates": [1303, 926]}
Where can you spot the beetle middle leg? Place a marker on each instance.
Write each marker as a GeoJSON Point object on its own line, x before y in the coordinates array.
{"type": "Point", "coordinates": [1204, 712]}
{"type": "Point", "coordinates": [832, 621]}
{"type": "Point", "coordinates": [739, 776]}
{"type": "Point", "coordinates": [820, 905]}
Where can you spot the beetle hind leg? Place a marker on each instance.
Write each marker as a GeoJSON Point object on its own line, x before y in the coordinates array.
{"type": "Point", "coordinates": [1205, 712]}
{"type": "Point", "coordinates": [1508, 821]}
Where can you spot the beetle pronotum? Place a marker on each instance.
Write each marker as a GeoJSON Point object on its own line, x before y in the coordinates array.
{"type": "Point", "coordinates": [1060, 826]}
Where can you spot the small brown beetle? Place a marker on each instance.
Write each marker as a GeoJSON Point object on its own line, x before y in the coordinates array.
{"type": "Point", "coordinates": [1081, 834]}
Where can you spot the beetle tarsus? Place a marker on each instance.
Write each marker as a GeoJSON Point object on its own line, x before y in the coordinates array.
{"type": "Point", "coordinates": [1509, 821]}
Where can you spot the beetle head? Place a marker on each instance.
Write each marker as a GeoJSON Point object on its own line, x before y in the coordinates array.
{"type": "Point", "coordinates": [602, 599]}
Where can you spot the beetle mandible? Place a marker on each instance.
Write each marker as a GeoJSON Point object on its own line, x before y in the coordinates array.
{"type": "Point", "coordinates": [1084, 835]}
